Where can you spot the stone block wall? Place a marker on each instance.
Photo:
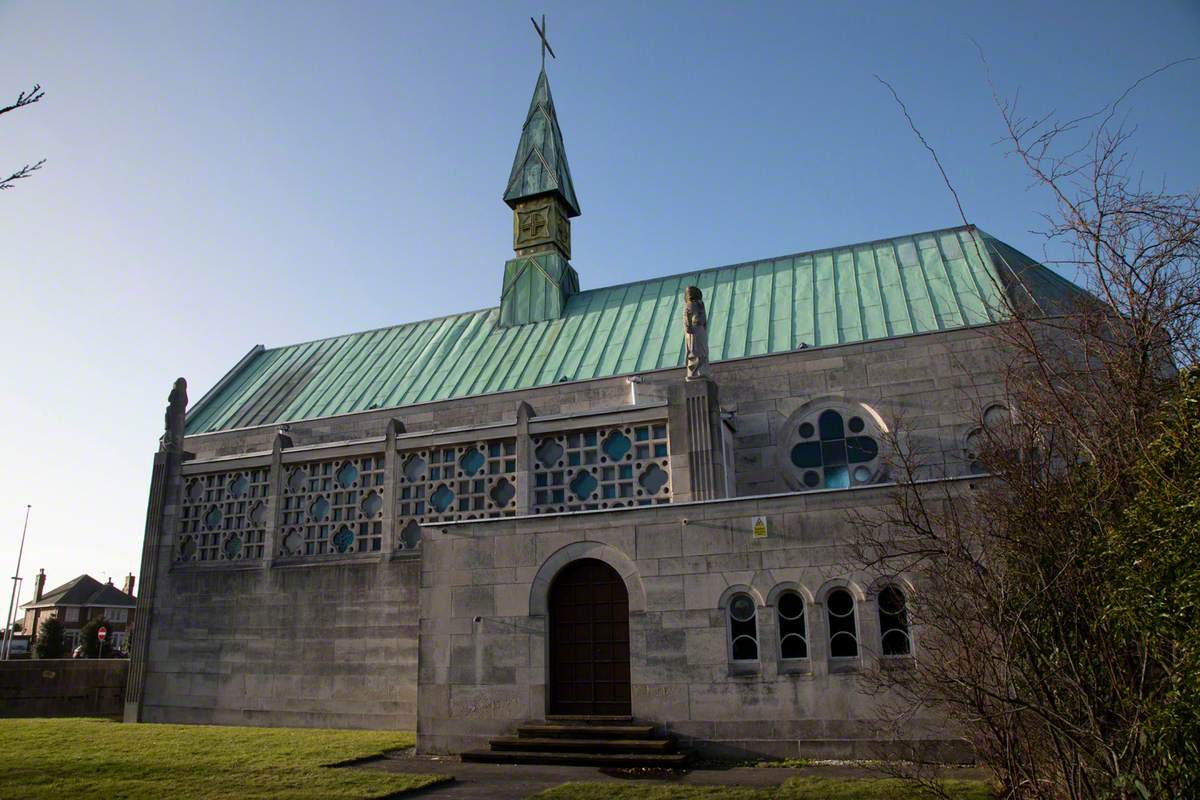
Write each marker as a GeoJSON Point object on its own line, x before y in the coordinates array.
{"type": "Point", "coordinates": [316, 645]}
{"type": "Point", "coordinates": [484, 649]}
{"type": "Point", "coordinates": [62, 687]}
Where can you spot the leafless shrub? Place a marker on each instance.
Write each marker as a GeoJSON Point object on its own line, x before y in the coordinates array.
{"type": "Point", "coordinates": [1017, 645]}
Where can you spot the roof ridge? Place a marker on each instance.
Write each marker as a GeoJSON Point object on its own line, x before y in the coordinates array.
{"type": "Point", "coordinates": [797, 254]}
{"type": "Point", "coordinates": [627, 284]}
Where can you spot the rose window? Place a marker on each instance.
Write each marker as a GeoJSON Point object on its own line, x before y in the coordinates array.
{"type": "Point", "coordinates": [834, 450]}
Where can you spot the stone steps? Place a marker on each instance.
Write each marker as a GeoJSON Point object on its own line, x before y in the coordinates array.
{"type": "Point", "coordinates": [659, 760]}
{"type": "Point", "coordinates": [585, 731]}
{"type": "Point", "coordinates": [583, 745]}
{"type": "Point", "coordinates": [584, 741]}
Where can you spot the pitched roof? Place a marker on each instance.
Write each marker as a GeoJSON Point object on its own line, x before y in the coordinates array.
{"type": "Point", "coordinates": [84, 591]}
{"type": "Point", "coordinates": [920, 283]}
{"type": "Point", "coordinates": [540, 166]}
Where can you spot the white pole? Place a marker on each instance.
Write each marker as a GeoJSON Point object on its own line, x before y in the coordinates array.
{"type": "Point", "coordinates": [16, 582]}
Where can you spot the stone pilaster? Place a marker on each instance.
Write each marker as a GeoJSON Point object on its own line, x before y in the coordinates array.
{"type": "Point", "coordinates": [524, 460]}
{"type": "Point", "coordinates": [282, 441]}
{"type": "Point", "coordinates": [391, 472]}
{"type": "Point", "coordinates": [139, 644]}
{"type": "Point", "coordinates": [697, 443]}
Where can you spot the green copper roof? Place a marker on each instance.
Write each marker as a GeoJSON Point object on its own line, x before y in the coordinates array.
{"type": "Point", "coordinates": [540, 166]}
{"type": "Point", "coordinates": [892, 287]}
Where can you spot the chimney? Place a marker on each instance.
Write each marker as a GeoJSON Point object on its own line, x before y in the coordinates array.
{"type": "Point", "coordinates": [39, 585]}
{"type": "Point", "coordinates": [128, 587]}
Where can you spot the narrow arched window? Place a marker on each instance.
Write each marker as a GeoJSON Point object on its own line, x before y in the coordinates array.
{"type": "Point", "coordinates": [793, 636]}
{"type": "Point", "coordinates": [743, 628]}
{"type": "Point", "coordinates": [843, 633]}
{"type": "Point", "coordinates": [893, 623]}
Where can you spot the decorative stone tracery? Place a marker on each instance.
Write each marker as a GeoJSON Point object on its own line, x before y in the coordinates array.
{"type": "Point", "coordinates": [454, 482]}
{"type": "Point", "coordinates": [608, 467]}
{"type": "Point", "coordinates": [223, 516]}
{"type": "Point", "coordinates": [332, 507]}
{"type": "Point", "coordinates": [338, 506]}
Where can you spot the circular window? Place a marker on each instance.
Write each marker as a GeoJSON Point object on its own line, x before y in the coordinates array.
{"type": "Point", "coordinates": [831, 448]}
{"type": "Point", "coordinates": [839, 603]}
{"type": "Point", "coordinates": [790, 605]}
{"type": "Point", "coordinates": [742, 608]}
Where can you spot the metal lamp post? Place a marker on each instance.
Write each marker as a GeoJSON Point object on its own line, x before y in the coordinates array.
{"type": "Point", "coordinates": [16, 582]}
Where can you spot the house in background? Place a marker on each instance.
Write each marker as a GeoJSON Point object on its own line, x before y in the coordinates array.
{"type": "Point", "coordinates": [80, 600]}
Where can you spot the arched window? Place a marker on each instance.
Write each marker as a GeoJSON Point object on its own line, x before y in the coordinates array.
{"type": "Point", "coordinates": [793, 637]}
{"type": "Point", "coordinates": [743, 628]}
{"type": "Point", "coordinates": [843, 633]}
{"type": "Point", "coordinates": [893, 623]}
{"type": "Point", "coordinates": [833, 449]}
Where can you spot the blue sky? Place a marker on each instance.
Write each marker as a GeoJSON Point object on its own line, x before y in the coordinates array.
{"type": "Point", "coordinates": [225, 174]}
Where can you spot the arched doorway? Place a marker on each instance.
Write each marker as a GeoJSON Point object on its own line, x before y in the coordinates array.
{"type": "Point", "coordinates": [589, 641]}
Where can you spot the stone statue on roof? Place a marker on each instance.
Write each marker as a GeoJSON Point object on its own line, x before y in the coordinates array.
{"type": "Point", "coordinates": [176, 412]}
{"type": "Point", "coordinates": [695, 328]}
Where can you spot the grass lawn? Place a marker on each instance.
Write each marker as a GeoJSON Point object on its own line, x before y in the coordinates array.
{"type": "Point", "coordinates": [793, 789]}
{"type": "Point", "coordinates": [90, 758]}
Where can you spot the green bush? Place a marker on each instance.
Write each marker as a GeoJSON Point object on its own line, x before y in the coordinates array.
{"type": "Point", "coordinates": [50, 640]}
{"type": "Point", "coordinates": [1152, 558]}
{"type": "Point", "coordinates": [91, 642]}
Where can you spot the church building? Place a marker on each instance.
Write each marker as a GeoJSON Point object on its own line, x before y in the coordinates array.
{"type": "Point", "coordinates": [629, 507]}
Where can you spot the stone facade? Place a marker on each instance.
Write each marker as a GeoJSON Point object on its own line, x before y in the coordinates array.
{"type": "Point", "coordinates": [483, 643]}
{"type": "Point", "coordinates": [447, 632]}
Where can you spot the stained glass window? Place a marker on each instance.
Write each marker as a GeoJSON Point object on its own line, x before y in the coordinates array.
{"type": "Point", "coordinates": [743, 628]}
{"type": "Point", "coordinates": [843, 632]}
{"type": "Point", "coordinates": [834, 451]}
{"type": "Point", "coordinates": [793, 638]}
{"type": "Point", "coordinates": [893, 623]}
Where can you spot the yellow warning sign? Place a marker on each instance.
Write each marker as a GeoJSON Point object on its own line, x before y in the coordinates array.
{"type": "Point", "coordinates": [760, 527]}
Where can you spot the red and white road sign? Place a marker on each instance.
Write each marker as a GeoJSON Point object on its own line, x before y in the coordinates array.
{"type": "Point", "coordinates": [100, 634]}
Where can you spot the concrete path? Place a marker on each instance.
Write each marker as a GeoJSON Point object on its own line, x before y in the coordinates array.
{"type": "Point", "coordinates": [513, 782]}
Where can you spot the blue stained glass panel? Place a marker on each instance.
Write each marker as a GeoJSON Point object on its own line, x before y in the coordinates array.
{"type": "Point", "coordinates": [616, 446]}
{"type": "Point", "coordinates": [806, 454]}
{"type": "Point", "coordinates": [343, 539]}
{"type": "Point", "coordinates": [442, 498]}
{"type": "Point", "coordinates": [583, 485]}
{"type": "Point", "coordinates": [347, 475]}
{"type": "Point", "coordinates": [371, 504]}
{"type": "Point", "coordinates": [833, 453]}
{"type": "Point", "coordinates": [319, 509]}
{"type": "Point", "coordinates": [653, 479]}
{"type": "Point", "coordinates": [471, 461]}
{"type": "Point", "coordinates": [861, 448]}
{"type": "Point", "coordinates": [830, 425]}
{"type": "Point", "coordinates": [837, 477]}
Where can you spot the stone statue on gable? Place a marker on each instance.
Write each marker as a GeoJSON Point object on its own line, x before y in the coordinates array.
{"type": "Point", "coordinates": [176, 414]}
{"type": "Point", "coordinates": [695, 328]}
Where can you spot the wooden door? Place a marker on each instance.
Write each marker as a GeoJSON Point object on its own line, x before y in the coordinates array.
{"type": "Point", "coordinates": [589, 641]}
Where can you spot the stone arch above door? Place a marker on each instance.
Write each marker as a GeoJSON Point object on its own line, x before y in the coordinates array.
{"type": "Point", "coordinates": [539, 591]}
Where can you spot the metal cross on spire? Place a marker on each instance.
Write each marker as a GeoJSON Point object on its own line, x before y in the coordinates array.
{"type": "Point", "coordinates": [541, 32]}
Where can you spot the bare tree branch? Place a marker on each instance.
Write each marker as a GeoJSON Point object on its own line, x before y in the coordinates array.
{"type": "Point", "coordinates": [23, 99]}
{"type": "Point", "coordinates": [23, 172]}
